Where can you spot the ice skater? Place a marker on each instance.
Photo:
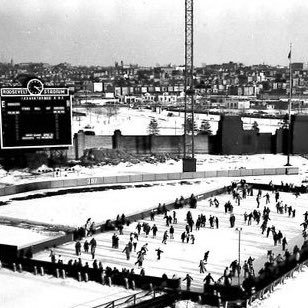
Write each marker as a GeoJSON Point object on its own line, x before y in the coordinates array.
{"type": "Point", "coordinates": [158, 252]}
{"type": "Point", "coordinates": [202, 266]}
{"type": "Point", "coordinates": [188, 279]}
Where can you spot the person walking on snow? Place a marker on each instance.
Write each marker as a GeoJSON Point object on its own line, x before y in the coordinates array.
{"type": "Point", "coordinates": [175, 220]}
{"type": "Point", "coordinates": [138, 227]}
{"type": "Point", "coordinates": [217, 222]}
{"type": "Point", "coordinates": [232, 220]}
{"type": "Point", "coordinates": [267, 198]}
{"type": "Point", "coordinates": [154, 229]}
{"type": "Point", "coordinates": [152, 215]}
{"type": "Point", "coordinates": [276, 195]}
{"type": "Point", "coordinates": [202, 266]}
{"type": "Point", "coordinates": [183, 236]}
{"type": "Point", "coordinates": [159, 252]}
{"type": "Point", "coordinates": [93, 247]}
{"type": "Point", "coordinates": [206, 255]}
{"type": "Point", "coordinates": [165, 237]}
{"type": "Point", "coordinates": [144, 249]}
{"type": "Point", "coordinates": [127, 252]}
{"type": "Point", "coordinates": [78, 248]}
{"type": "Point", "coordinates": [86, 246]}
{"type": "Point", "coordinates": [208, 278]}
{"type": "Point", "coordinates": [171, 231]}
{"type": "Point", "coordinates": [284, 243]}
{"type": "Point", "coordinates": [188, 279]}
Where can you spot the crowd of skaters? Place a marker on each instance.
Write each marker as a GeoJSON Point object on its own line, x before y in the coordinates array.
{"type": "Point", "coordinates": [188, 237]}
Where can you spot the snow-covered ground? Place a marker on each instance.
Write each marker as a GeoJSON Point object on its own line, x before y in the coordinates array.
{"type": "Point", "coordinates": [20, 236]}
{"type": "Point", "coordinates": [29, 291]}
{"type": "Point", "coordinates": [140, 118]}
{"type": "Point", "coordinates": [288, 295]}
{"type": "Point", "coordinates": [205, 162]}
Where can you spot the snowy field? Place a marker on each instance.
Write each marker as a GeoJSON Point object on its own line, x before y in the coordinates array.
{"type": "Point", "coordinates": [20, 237]}
{"type": "Point", "coordinates": [179, 258]}
{"type": "Point", "coordinates": [136, 121]}
{"type": "Point", "coordinates": [29, 291]}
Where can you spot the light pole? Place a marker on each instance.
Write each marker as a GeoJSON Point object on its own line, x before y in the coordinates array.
{"type": "Point", "coordinates": [239, 229]}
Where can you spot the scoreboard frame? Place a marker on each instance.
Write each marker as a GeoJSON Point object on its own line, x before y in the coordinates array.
{"type": "Point", "coordinates": [43, 94]}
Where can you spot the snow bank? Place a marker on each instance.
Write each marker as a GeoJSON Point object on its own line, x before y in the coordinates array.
{"type": "Point", "coordinates": [205, 162]}
{"type": "Point", "coordinates": [29, 291]}
{"type": "Point", "coordinates": [20, 237]}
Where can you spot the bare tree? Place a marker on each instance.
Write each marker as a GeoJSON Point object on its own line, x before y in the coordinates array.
{"type": "Point", "coordinates": [153, 128]}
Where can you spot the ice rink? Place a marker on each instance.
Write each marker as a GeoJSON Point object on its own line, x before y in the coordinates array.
{"type": "Point", "coordinates": [181, 258]}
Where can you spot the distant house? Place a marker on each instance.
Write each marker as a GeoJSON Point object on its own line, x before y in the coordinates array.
{"type": "Point", "coordinates": [167, 99]}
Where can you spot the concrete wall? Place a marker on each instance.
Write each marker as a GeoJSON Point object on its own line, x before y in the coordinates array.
{"type": "Point", "coordinates": [229, 135]}
{"type": "Point", "coordinates": [82, 142]}
{"type": "Point", "coordinates": [264, 143]}
{"type": "Point", "coordinates": [98, 141]}
{"type": "Point", "coordinates": [233, 139]}
{"type": "Point", "coordinates": [147, 144]}
{"type": "Point", "coordinates": [169, 144]}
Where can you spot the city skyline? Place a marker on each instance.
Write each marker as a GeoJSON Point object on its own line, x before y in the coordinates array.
{"type": "Point", "coordinates": [148, 32]}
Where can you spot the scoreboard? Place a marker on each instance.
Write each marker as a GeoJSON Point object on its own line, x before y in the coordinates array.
{"type": "Point", "coordinates": [35, 117]}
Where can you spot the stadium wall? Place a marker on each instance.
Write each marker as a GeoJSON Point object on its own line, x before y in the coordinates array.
{"type": "Point", "coordinates": [299, 132]}
{"type": "Point", "coordinates": [231, 139]}
{"type": "Point", "coordinates": [147, 144]}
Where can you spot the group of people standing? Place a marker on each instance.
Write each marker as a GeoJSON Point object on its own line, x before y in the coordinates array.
{"type": "Point", "coordinates": [86, 245]}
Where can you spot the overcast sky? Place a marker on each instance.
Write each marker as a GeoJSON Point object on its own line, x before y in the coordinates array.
{"type": "Point", "coordinates": [147, 32]}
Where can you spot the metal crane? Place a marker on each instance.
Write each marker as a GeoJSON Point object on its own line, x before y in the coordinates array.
{"type": "Point", "coordinates": [189, 163]}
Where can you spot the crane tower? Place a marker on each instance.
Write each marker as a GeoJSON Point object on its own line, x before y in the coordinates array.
{"type": "Point", "coordinates": [189, 162]}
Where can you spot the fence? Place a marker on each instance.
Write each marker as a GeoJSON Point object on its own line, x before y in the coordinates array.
{"type": "Point", "coordinates": [270, 288]}
{"type": "Point", "coordinates": [100, 275]}
{"type": "Point", "coordinates": [130, 300]}
{"type": "Point", "coordinates": [94, 181]}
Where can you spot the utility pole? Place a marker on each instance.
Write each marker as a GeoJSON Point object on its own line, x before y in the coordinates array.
{"type": "Point", "coordinates": [189, 164]}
